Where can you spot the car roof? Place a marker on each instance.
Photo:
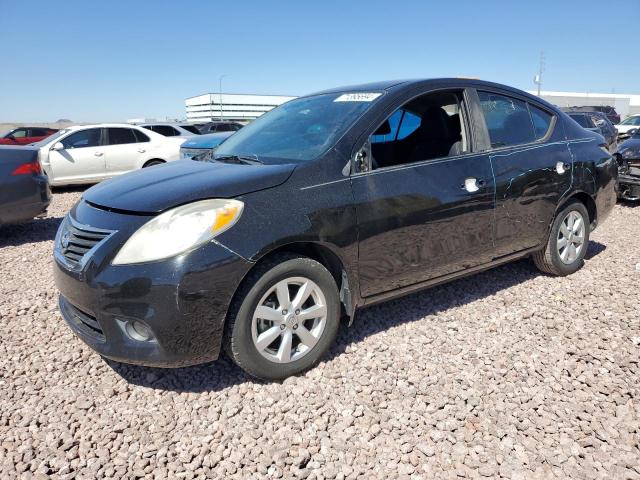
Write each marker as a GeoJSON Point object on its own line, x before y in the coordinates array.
{"type": "Point", "coordinates": [453, 82]}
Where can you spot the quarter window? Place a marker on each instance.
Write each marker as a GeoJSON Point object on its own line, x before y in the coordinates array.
{"type": "Point", "coordinates": [82, 139]}
{"type": "Point", "coordinates": [507, 119]}
{"type": "Point", "coordinates": [541, 121]}
{"type": "Point", "coordinates": [121, 136]}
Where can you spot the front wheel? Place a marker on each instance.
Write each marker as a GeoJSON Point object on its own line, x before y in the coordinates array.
{"type": "Point", "coordinates": [568, 241]}
{"type": "Point", "coordinates": [285, 317]}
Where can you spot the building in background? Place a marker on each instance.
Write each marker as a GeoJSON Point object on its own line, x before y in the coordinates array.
{"type": "Point", "coordinates": [231, 107]}
{"type": "Point", "coordinates": [625, 104]}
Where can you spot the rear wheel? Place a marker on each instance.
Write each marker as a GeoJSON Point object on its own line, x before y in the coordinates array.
{"type": "Point", "coordinates": [151, 163]}
{"type": "Point", "coordinates": [285, 318]}
{"type": "Point", "coordinates": [568, 241]}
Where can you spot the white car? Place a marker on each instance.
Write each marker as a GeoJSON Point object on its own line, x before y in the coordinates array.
{"type": "Point", "coordinates": [628, 123]}
{"type": "Point", "coordinates": [91, 153]}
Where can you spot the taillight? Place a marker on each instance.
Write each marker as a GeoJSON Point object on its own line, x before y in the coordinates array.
{"type": "Point", "coordinates": [28, 168]}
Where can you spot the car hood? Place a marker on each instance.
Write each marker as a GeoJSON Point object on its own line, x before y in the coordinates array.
{"type": "Point", "coordinates": [632, 143]}
{"type": "Point", "coordinates": [155, 189]}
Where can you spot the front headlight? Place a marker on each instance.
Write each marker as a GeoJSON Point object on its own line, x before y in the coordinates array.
{"type": "Point", "coordinates": [178, 230]}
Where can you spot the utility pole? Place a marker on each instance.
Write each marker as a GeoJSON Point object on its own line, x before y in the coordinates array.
{"type": "Point", "coordinates": [220, 92]}
{"type": "Point", "coordinates": [538, 78]}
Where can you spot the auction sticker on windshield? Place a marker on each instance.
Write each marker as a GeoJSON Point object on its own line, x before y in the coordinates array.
{"type": "Point", "coordinates": [357, 97]}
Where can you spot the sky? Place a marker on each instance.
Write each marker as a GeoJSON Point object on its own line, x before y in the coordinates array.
{"type": "Point", "coordinates": [114, 60]}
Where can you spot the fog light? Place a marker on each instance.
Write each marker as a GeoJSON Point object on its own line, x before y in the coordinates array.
{"type": "Point", "coordinates": [138, 331]}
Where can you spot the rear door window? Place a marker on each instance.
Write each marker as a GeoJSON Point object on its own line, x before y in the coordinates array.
{"type": "Point", "coordinates": [507, 119]}
{"type": "Point", "coordinates": [166, 130]}
{"type": "Point", "coordinates": [121, 136]}
{"type": "Point", "coordinates": [19, 133]}
{"type": "Point", "coordinates": [140, 137]}
{"type": "Point", "coordinates": [191, 128]}
{"type": "Point", "coordinates": [541, 121]}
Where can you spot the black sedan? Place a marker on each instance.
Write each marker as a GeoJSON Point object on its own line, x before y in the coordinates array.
{"type": "Point", "coordinates": [629, 171]}
{"type": "Point", "coordinates": [24, 190]}
{"type": "Point", "coordinates": [325, 204]}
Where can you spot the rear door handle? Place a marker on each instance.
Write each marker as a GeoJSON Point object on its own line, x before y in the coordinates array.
{"type": "Point", "coordinates": [562, 167]}
{"type": "Point", "coordinates": [98, 154]}
{"type": "Point", "coordinates": [472, 184]}
{"type": "Point", "coordinates": [141, 150]}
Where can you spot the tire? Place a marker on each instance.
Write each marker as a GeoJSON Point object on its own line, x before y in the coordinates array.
{"type": "Point", "coordinates": [151, 163]}
{"type": "Point", "coordinates": [268, 359]}
{"type": "Point", "coordinates": [550, 259]}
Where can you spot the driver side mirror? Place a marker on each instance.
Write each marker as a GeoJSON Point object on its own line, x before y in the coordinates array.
{"type": "Point", "coordinates": [632, 132]}
{"type": "Point", "coordinates": [57, 146]}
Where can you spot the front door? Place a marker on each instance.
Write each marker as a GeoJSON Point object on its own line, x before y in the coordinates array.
{"type": "Point", "coordinates": [81, 159]}
{"type": "Point", "coordinates": [532, 166]}
{"type": "Point", "coordinates": [425, 204]}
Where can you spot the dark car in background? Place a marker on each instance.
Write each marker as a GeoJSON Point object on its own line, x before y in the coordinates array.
{"type": "Point", "coordinates": [201, 148]}
{"type": "Point", "coordinates": [26, 135]}
{"type": "Point", "coordinates": [607, 110]}
{"type": "Point", "coordinates": [629, 171]}
{"type": "Point", "coordinates": [598, 122]}
{"type": "Point", "coordinates": [214, 127]}
{"type": "Point", "coordinates": [325, 204]}
{"type": "Point", "coordinates": [24, 190]}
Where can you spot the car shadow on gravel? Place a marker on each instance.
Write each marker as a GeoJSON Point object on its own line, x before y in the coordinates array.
{"type": "Point", "coordinates": [37, 230]}
{"type": "Point", "coordinates": [223, 373]}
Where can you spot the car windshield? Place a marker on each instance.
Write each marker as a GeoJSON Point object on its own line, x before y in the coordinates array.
{"type": "Point", "coordinates": [300, 129]}
{"type": "Point", "coordinates": [51, 138]}
{"type": "Point", "coordinates": [629, 121]}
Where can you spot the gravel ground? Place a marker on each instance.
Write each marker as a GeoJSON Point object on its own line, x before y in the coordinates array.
{"type": "Point", "coordinates": [506, 374]}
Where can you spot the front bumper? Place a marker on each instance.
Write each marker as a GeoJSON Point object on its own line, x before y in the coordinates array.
{"type": "Point", "coordinates": [183, 301]}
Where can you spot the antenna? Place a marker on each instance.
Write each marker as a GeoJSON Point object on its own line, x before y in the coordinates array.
{"type": "Point", "coordinates": [538, 78]}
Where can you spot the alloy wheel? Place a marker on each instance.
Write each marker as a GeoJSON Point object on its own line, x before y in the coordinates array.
{"type": "Point", "coordinates": [289, 320]}
{"type": "Point", "coordinates": [570, 240]}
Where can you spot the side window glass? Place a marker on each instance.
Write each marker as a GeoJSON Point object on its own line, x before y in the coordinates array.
{"type": "Point", "coordinates": [429, 126]}
{"type": "Point", "coordinates": [582, 120]}
{"type": "Point", "coordinates": [507, 119]}
{"type": "Point", "coordinates": [140, 137]}
{"type": "Point", "coordinates": [121, 136]}
{"type": "Point", "coordinates": [541, 121]}
{"type": "Point", "coordinates": [19, 133]}
{"type": "Point", "coordinates": [82, 139]}
{"type": "Point", "coordinates": [388, 130]}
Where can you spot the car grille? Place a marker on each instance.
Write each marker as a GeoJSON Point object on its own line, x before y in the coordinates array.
{"type": "Point", "coordinates": [76, 240]}
{"type": "Point", "coordinates": [82, 321]}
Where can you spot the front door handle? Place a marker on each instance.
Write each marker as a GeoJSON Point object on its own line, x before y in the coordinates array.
{"type": "Point", "coordinates": [98, 154]}
{"type": "Point", "coordinates": [472, 184]}
{"type": "Point", "coordinates": [141, 150]}
{"type": "Point", "coordinates": [562, 167]}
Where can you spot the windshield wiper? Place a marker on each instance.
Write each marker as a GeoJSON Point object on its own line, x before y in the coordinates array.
{"type": "Point", "coordinates": [239, 159]}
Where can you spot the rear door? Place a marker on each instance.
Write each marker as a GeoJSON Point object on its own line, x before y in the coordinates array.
{"type": "Point", "coordinates": [81, 160]}
{"type": "Point", "coordinates": [532, 166]}
{"type": "Point", "coordinates": [126, 149]}
{"type": "Point", "coordinates": [425, 205]}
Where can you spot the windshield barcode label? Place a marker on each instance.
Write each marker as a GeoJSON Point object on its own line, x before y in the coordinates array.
{"type": "Point", "coordinates": [357, 97]}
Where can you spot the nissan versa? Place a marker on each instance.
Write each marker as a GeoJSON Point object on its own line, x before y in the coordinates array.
{"type": "Point", "coordinates": [327, 203]}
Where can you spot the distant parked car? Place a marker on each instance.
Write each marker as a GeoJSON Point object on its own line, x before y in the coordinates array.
{"type": "Point", "coordinates": [172, 129]}
{"type": "Point", "coordinates": [24, 190]}
{"type": "Point", "coordinates": [609, 111]}
{"type": "Point", "coordinates": [91, 153]}
{"type": "Point", "coordinates": [629, 169]}
{"type": "Point", "coordinates": [212, 127]}
{"type": "Point", "coordinates": [26, 135]}
{"type": "Point", "coordinates": [629, 123]}
{"type": "Point", "coordinates": [202, 147]}
{"type": "Point", "coordinates": [599, 123]}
